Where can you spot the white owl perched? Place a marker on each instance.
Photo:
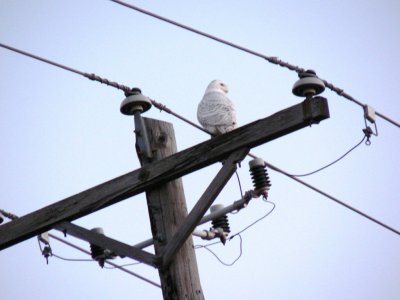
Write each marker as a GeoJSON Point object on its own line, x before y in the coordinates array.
{"type": "Point", "coordinates": [216, 112]}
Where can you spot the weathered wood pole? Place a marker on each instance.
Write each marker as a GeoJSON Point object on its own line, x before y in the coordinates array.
{"type": "Point", "coordinates": [167, 211]}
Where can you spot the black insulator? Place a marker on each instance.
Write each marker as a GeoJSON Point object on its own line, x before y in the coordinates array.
{"type": "Point", "coordinates": [221, 222]}
{"type": "Point", "coordinates": [259, 176]}
{"type": "Point", "coordinates": [96, 251]}
{"type": "Point", "coordinates": [47, 253]}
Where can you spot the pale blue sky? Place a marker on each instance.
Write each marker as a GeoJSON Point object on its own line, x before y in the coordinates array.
{"type": "Point", "coordinates": [62, 133]}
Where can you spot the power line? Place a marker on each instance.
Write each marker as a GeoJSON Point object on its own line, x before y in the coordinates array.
{"type": "Point", "coordinates": [97, 78]}
{"type": "Point", "coordinates": [217, 257]}
{"type": "Point", "coordinates": [271, 59]}
{"type": "Point", "coordinates": [87, 75]}
{"type": "Point", "coordinates": [106, 261]}
{"type": "Point", "coordinates": [164, 108]}
{"type": "Point", "coordinates": [332, 198]}
{"type": "Point", "coordinates": [332, 163]}
{"type": "Point", "coordinates": [11, 216]}
{"type": "Point", "coordinates": [234, 235]}
{"type": "Point", "coordinates": [72, 259]}
{"type": "Point", "coordinates": [124, 265]}
{"type": "Point", "coordinates": [256, 221]}
{"type": "Point", "coordinates": [42, 59]}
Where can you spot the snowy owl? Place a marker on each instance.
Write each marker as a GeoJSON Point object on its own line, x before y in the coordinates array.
{"type": "Point", "coordinates": [216, 112]}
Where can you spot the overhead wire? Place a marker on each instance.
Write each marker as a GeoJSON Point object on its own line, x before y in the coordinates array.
{"type": "Point", "coordinates": [217, 257]}
{"type": "Point", "coordinates": [271, 59]}
{"type": "Point", "coordinates": [163, 107]}
{"type": "Point", "coordinates": [239, 184]}
{"type": "Point", "coordinates": [277, 61]}
{"type": "Point", "coordinates": [332, 198]}
{"type": "Point", "coordinates": [126, 89]}
{"type": "Point", "coordinates": [332, 163]}
{"type": "Point", "coordinates": [73, 259]}
{"type": "Point", "coordinates": [102, 80]}
{"type": "Point", "coordinates": [106, 261]}
{"type": "Point", "coordinates": [256, 221]}
{"type": "Point", "coordinates": [12, 216]}
{"type": "Point", "coordinates": [124, 265]}
{"type": "Point", "coordinates": [206, 246]}
{"type": "Point", "coordinates": [47, 61]}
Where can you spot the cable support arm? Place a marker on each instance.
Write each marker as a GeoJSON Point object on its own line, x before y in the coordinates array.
{"type": "Point", "coordinates": [106, 261]}
{"type": "Point", "coordinates": [210, 234]}
{"type": "Point", "coordinates": [13, 217]}
{"type": "Point", "coordinates": [235, 206]}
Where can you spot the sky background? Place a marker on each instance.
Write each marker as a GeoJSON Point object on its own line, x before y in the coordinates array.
{"type": "Point", "coordinates": [62, 133]}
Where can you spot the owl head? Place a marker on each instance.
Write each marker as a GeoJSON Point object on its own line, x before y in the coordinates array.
{"type": "Point", "coordinates": [218, 85]}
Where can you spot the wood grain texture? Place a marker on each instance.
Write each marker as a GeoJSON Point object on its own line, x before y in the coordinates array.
{"type": "Point", "coordinates": [159, 172]}
{"type": "Point", "coordinates": [167, 211]}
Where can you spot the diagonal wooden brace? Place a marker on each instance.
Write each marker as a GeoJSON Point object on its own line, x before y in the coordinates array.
{"type": "Point", "coordinates": [201, 207]}
{"type": "Point", "coordinates": [119, 248]}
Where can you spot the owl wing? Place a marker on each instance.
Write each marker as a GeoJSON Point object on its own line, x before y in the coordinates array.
{"type": "Point", "coordinates": [216, 109]}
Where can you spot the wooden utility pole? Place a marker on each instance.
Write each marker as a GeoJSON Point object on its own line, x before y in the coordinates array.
{"type": "Point", "coordinates": [167, 211]}
{"type": "Point", "coordinates": [160, 177]}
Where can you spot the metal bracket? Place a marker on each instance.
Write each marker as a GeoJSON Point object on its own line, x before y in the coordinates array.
{"type": "Point", "coordinates": [142, 138]}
